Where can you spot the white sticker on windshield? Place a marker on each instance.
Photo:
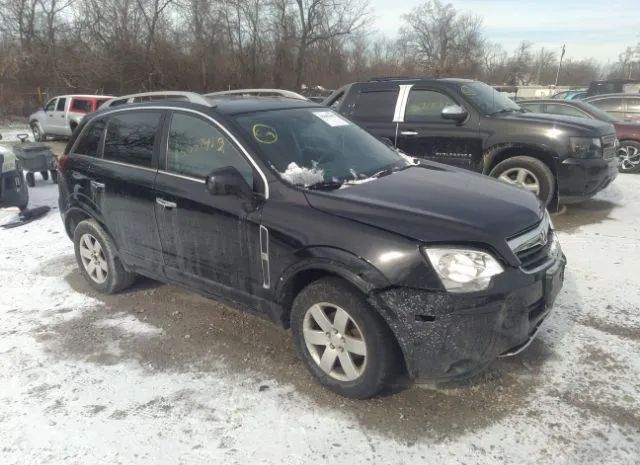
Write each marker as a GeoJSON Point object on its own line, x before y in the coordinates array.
{"type": "Point", "coordinates": [331, 118]}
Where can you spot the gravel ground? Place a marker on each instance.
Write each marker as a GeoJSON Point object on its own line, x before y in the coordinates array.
{"type": "Point", "coordinates": [158, 375]}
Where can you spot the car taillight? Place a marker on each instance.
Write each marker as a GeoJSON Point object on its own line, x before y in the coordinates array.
{"type": "Point", "coordinates": [63, 160]}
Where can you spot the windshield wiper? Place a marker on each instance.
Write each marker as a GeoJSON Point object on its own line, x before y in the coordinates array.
{"type": "Point", "coordinates": [325, 185]}
{"type": "Point", "coordinates": [503, 110]}
{"type": "Point", "coordinates": [391, 169]}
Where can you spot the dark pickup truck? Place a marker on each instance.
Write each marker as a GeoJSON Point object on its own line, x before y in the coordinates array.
{"type": "Point", "coordinates": [470, 125]}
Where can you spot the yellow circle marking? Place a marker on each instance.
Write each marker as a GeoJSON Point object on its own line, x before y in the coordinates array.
{"type": "Point", "coordinates": [264, 134]}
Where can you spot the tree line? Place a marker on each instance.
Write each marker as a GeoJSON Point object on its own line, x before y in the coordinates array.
{"type": "Point", "coordinates": [120, 46]}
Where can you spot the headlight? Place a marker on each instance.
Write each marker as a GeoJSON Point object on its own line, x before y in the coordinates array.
{"type": "Point", "coordinates": [585, 147]}
{"type": "Point", "coordinates": [463, 270]}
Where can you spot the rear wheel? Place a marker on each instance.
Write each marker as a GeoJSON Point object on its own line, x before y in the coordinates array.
{"type": "Point", "coordinates": [629, 156]}
{"type": "Point", "coordinates": [343, 342]}
{"type": "Point", "coordinates": [31, 179]}
{"type": "Point", "coordinates": [529, 174]}
{"type": "Point", "coordinates": [98, 262]}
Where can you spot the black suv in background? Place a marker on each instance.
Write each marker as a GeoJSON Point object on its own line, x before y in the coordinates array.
{"type": "Point", "coordinates": [286, 209]}
{"type": "Point", "coordinates": [470, 125]}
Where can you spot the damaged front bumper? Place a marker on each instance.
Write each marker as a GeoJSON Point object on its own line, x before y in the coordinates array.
{"type": "Point", "coordinates": [448, 336]}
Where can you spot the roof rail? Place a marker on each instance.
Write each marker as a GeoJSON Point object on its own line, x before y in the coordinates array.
{"type": "Point", "coordinates": [394, 78]}
{"type": "Point", "coordinates": [258, 93]}
{"type": "Point", "coordinates": [158, 95]}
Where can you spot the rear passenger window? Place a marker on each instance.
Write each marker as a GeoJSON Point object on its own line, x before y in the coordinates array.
{"type": "Point", "coordinates": [608, 104]}
{"type": "Point", "coordinates": [376, 106]}
{"type": "Point", "coordinates": [426, 106]}
{"type": "Point", "coordinates": [131, 137]}
{"type": "Point", "coordinates": [566, 110]}
{"type": "Point", "coordinates": [61, 102]}
{"type": "Point", "coordinates": [80, 105]}
{"type": "Point", "coordinates": [196, 148]}
{"type": "Point", "coordinates": [89, 143]}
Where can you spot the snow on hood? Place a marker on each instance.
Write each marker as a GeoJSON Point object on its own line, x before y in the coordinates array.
{"type": "Point", "coordinates": [301, 175]}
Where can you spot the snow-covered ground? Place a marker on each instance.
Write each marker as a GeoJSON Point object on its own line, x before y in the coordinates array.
{"type": "Point", "coordinates": [158, 375]}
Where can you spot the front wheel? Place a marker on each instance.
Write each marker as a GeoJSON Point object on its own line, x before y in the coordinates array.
{"type": "Point", "coordinates": [343, 342]}
{"type": "Point", "coordinates": [629, 156]}
{"type": "Point", "coordinates": [45, 175]}
{"type": "Point", "coordinates": [31, 179]}
{"type": "Point", "coordinates": [96, 257]}
{"type": "Point", "coordinates": [38, 133]}
{"type": "Point", "coordinates": [529, 174]}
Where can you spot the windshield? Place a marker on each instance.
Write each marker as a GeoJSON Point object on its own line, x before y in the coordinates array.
{"type": "Point", "coordinates": [486, 99]}
{"type": "Point", "coordinates": [602, 115]}
{"type": "Point", "coordinates": [318, 147]}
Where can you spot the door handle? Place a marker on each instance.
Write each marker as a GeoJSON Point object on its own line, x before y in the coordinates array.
{"type": "Point", "coordinates": [408, 133]}
{"type": "Point", "coordinates": [165, 203]}
{"type": "Point", "coordinates": [97, 185]}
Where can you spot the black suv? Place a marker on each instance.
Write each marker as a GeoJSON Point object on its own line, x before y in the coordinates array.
{"type": "Point", "coordinates": [284, 208]}
{"type": "Point", "coordinates": [470, 125]}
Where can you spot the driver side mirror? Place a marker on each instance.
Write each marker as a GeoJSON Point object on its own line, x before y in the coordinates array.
{"type": "Point", "coordinates": [454, 113]}
{"type": "Point", "coordinates": [227, 181]}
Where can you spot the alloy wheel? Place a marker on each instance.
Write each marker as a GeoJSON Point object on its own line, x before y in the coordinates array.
{"type": "Point", "coordinates": [93, 258]}
{"type": "Point", "coordinates": [629, 157]}
{"type": "Point", "coordinates": [335, 341]}
{"type": "Point", "coordinates": [522, 178]}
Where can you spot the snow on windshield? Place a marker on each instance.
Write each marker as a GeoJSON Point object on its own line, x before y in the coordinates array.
{"type": "Point", "coordinates": [300, 175]}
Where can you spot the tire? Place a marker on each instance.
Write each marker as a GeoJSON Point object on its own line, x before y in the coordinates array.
{"type": "Point", "coordinates": [31, 179]}
{"type": "Point", "coordinates": [629, 156]}
{"type": "Point", "coordinates": [537, 174]}
{"type": "Point", "coordinates": [45, 175]}
{"type": "Point", "coordinates": [38, 133]}
{"type": "Point", "coordinates": [107, 275]}
{"type": "Point", "coordinates": [375, 357]}
{"type": "Point", "coordinates": [54, 176]}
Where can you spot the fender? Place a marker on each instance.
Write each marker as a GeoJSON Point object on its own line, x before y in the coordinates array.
{"type": "Point", "coordinates": [334, 261]}
{"type": "Point", "coordinates": [87, 211]}
{"type": "Point", "coordinates": [496, 150]}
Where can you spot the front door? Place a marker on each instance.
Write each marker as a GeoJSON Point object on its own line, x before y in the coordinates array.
{"type": "Point", "coordinates": [209, 241]}
{"type": "Point", "coordinates": [48, 125]}
{"type": "Point", "coordinates": [127, 175]}
{"type": "Point", "coordinates": [59, 120]}
{"type": "Point", "coordinates": [425, 134]}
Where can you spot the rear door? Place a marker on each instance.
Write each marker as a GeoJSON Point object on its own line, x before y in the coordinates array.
{"type": "Point", "coordinates": [425, 134]}
{"type": "Point", "coordinates": [131, 144]}
{"type": "Point", "coordinates": [208, 241]}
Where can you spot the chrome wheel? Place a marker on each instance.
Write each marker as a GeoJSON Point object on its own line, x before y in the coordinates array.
{"type": "Point", "coordinates": [93, 258]}
{"type": "Point", "coordinates": [522, 178]}
{"type": "Point", "coordinates": [629, 157]}
{"type": "Point", "coordinates": [334, 341]}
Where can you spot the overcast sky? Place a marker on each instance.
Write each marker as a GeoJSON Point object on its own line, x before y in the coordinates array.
{"type": "Point", "coordinates": [599, 29]}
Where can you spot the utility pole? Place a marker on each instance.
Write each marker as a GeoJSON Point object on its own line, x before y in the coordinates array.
{"type": "Point", "coordinates": [560, 64]}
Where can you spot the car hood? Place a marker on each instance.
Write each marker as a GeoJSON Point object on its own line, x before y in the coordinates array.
{"type": "Point", "coordinates": [563, 122]}
{"type": "Point", "coordinates": [436, 203]}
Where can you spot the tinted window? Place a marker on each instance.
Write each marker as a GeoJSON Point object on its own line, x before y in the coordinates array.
{"type": "Point", "coordinates": [534, 107]}
{"type": "Point", "coordinates": [61, 102]}
{"type": "Point", "coordinates": [81, 105]}
{"type": "Point", "coordinates": [51, 105]}
{"type": "Point", "coordinates": [426, 105]}
{"type": "Point", "coordinates": [608, 104]}
{"type": "Point", "coordinates": [90, 142]}
{"type": "Point", "coordinates": [633, 105]}
{"type": "Point", "coordinates": [131, 136]}
{"type": "Point", "coordinates": [565, 110]}
{"type": "Point", "coordinates": [376, 106]}
{"type": "Point", "coordinates": [196, 148]}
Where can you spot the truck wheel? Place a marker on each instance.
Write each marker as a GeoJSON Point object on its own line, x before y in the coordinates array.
{"type": "Point", "coordinates": [38, 133]}
{"type": "Point", "coordinates": [31, 179]}
{"type": "Point", "coordinates": [45, 175]}
{"type": "Point", "coordinates": [629, 156]}
{"type": "Point", "coordinates": [54, 176]}
{"type": "Point", "coordinates": [95, 254]}
{"type": "Point", "coordinates": [527, 173]}
{"type": "Point", "coordinates": [343, 342]}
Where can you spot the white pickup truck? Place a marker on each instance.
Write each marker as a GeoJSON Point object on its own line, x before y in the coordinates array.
{"type": "Point", "coordinates": [61, 114]}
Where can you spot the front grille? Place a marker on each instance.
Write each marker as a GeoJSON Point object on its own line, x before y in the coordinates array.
{"type": "Point", "coordinates": [533, 247]}
{"type": "Point", "coordinates": [609, 146]}
{"type": "Point", "coordinates": [536, 255]}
